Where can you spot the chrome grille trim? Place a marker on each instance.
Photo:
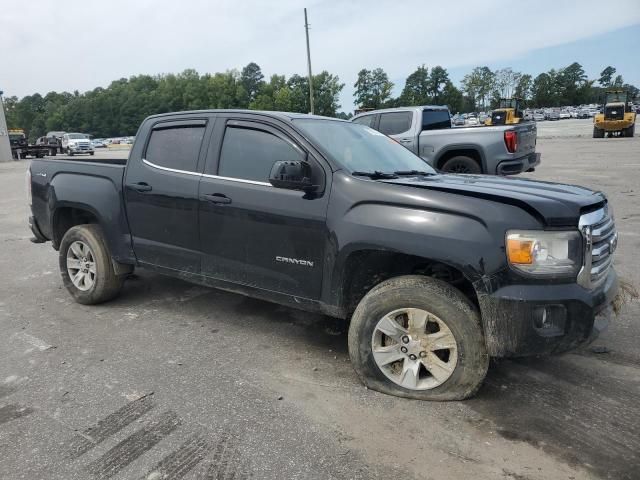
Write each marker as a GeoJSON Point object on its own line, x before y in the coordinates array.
{"type": "Point", "coordinates": [600, 240]}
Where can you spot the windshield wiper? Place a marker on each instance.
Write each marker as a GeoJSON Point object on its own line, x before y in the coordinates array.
{"type": "Point", "coordinates": [412, 172]}
{"type": "Point", "coordinates": [375, 175]}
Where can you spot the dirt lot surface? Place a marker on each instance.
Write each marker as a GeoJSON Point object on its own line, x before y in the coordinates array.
{"type": "Point", "coordinates": [177, 381]}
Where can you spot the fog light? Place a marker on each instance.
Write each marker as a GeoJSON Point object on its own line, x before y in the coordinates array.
{"type": "Point", "coordinates": [550, 320]}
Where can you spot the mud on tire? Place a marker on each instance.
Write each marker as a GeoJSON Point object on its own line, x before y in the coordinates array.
{"type": "Point", "coordinates": [106, 284]}
{"type": "Point", "coordinates": [441, 300]}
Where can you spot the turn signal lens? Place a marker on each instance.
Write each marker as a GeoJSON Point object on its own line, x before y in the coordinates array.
{"type": "Point", "coordinates": [520, 251]}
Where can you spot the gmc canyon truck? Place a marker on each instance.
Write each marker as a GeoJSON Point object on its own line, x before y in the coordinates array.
{"type": "Point", "coordinates": [427, 132]}
{"type": "Point", "coordinates": [436, 273]}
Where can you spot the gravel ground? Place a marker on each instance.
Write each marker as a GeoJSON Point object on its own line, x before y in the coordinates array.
{"type": "Point", "coordinates": [176, 381]}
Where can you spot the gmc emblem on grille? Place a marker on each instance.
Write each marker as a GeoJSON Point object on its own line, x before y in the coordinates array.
{"type": "Point", "coordinates": [613, 243]}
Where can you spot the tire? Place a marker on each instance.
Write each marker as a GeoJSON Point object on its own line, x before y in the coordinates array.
{"type": "Point", "coordinates": [598, 132]}
{"type": "Point", "coordinates": [91, 153]}
{"type": "Point", "coordinates": [461, 164]}
{"type": "Point", "coordinates": [69, 152]}
{"type": "Point", "coordinates": [104, 285]}
{"type": "Point", "coordinates": [630, 131]}
{"type": "Point", "coordinates": [466, 364]}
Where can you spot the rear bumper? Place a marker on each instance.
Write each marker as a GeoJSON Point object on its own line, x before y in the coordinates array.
{"type": "Point", "coordinates": [519, 165]}
{"type": "Point", "coordinates": [521, 320]}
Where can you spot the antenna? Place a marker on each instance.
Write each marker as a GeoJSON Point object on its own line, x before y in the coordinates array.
{"type": "Point", "coordinates": [306, 29]}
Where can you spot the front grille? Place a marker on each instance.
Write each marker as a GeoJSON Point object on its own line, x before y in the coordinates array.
{"type": "Point", "coordinates": [614, 113]}
{"type": "Point", "coordinates": [601, 239]}
{"type": "Point", "coordinates": [498, 117]}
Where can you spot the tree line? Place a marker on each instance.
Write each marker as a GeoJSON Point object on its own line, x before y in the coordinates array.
{"type": "Point", "coordinates": [119, 109]}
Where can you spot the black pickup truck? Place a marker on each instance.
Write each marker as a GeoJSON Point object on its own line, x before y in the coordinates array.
{"type": "Point", "coordinates": [436, 273]}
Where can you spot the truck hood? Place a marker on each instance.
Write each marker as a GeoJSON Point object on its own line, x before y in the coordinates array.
{"type": "Point", "coordinates": [554, 204]}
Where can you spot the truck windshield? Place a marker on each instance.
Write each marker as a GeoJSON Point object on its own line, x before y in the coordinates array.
{"type": "Point", "coordinates": [359, 148]}
{"type": "Point", "coordinates": [77, 136]}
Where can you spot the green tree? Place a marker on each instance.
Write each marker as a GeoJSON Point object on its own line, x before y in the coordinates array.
{"type": "Point", "coordinates": [438, 79]}
{"type": "Point", "coordinates": [606, 75]}
{"type": "Point", "coordinates": [416, 88]}
{"type": "Point", "coordinates": [373, 88]}
{"type": "Point", "coordinates": [479, 84]}
{"type": "Point", "coordinates": [523, 87]}
{"type": "Point", "coordinates": [251, 79]}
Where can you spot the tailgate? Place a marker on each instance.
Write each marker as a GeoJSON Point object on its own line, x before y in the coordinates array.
{"type": "Point", "coordinates": [527, 135]}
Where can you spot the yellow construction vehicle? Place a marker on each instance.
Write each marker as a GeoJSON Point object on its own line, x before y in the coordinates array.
{"type": "Point", "coordinates": [508, 113]}
{"type": "Point", "coordinates": [618, 117]}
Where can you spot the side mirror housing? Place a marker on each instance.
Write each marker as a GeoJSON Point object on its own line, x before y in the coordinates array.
{"type": "Point", "coordinates": [292, 175]}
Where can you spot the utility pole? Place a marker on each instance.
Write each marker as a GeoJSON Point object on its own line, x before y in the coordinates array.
{"type": "Point", "coordinates": [306, 29]}
{"type": "Point", "coordinates": [5, 146]}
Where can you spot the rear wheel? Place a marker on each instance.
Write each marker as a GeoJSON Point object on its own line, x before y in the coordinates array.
{"type": "Point", "coordinates": [85, 265]}
{"type": "Point", "coordinates": [418, 337]}
{"type": "Point", "coordinates": [598, 132]}
{"type": "Point", "coordinates": [461, 164]}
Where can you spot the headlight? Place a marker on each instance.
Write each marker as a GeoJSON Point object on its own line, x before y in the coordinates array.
{"type": "Point", "coordinates": [545, 253]}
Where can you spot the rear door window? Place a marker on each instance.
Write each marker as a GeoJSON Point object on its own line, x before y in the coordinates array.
{"type": "Point", "coordinates": [365, 120]}
{"type": "Point", "coordinates": [393, 123]}
{"type": "Point", "coordinates": [177, 148]}
{"type": "Point", "coordinates": [249, 154]}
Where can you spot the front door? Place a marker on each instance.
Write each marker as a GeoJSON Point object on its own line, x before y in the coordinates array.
{"type": "Point", "coordinates": [251, 232]}
{"type": "Point", "coordinates": [161, 196]}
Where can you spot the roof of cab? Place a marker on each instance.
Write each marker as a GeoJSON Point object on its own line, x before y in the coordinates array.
{"type": "Point", "coordinates": [403, 109]}
{"type": "Point", "coordinates": [280, 115]}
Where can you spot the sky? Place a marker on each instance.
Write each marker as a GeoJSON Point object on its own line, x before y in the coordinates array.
{"type": "Point", "coordinates": [72, 45]}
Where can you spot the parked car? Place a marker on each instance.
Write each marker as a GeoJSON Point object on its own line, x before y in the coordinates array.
{"type": "Point", "coordinates": [75, 143]}
{"type": "Point", "coordinates": [584, 113]}
{"type": "Point", "coordinates": [564, 115]}
{"type": "Point", "coordinates": [553, 115]}
{"type": "Point", "coordinates": [437, 273]}
{"type": "Point", "coordinates": [459, 121]}
{"type": "Point", "coordinates": [499, 149]}
{"type": "Point", "coordinates": [538, 117]}
{"type": "Point", "coordinates": [98, 143]}
{"type": "Point", "coordinates": [472, 121]}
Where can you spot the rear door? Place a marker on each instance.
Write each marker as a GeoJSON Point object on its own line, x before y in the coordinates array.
{"type": "Point", "coordinates": [397, 125]}
{"type": "Point", "coordinates": [161, 194]}
{"type": "Point", "coordinates": [252, 233]}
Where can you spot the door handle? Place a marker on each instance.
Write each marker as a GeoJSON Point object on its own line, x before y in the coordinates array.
{"type": "Point", "coordinates": [140, 187]}
{"type": "Point", "coordinates": [406, 140]}
{"type": "Point", "coordinates": [217, 198]}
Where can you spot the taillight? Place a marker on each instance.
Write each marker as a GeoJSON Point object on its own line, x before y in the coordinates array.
{"type": "Point", "coordinates": [511, 141]}
{"type": "Point", "coordinates": [27, 178]}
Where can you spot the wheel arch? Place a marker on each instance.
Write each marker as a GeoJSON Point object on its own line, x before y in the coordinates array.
{"type": "Point", "coordinates": [466, 150]}
{"type": "Point", "coordinates": [366, 268]}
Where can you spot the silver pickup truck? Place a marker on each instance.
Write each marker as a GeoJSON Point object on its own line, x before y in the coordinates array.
{"type": "Point", "coordinates": [427, 131]}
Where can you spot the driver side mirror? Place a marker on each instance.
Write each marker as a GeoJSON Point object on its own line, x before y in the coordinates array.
{"type": "Point", "coordinates": [292, 175]}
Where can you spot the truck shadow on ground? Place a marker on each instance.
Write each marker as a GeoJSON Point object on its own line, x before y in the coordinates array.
{"type": "Point", "coordinates": [569, 406]}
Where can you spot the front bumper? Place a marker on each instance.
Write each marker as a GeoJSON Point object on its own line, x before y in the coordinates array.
{"type": "Point", "coordinates": [519, 165]}
{"type": "Point", "coordinates": [521, 320]}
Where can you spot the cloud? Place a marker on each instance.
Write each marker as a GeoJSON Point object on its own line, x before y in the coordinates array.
{"type": "Point", "coordinates": [79, 44]}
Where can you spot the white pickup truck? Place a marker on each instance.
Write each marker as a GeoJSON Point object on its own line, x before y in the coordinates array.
{"type": "Point", "coordinates": [427, 131]}
{"type": "Point", "coordinates": [74, 143]}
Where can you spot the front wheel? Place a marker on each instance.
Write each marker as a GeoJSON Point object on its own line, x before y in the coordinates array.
{"type": "Point", "coordinates": [85, 265]}
{"type": "Point", "coordinates": [461, 164]}
{"type": "Point", "coordinates": [629, 131]}
{"type": "Point", "coordinates": [418, 337]}
{"type": "Point", "coordinates": [598, 132]}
